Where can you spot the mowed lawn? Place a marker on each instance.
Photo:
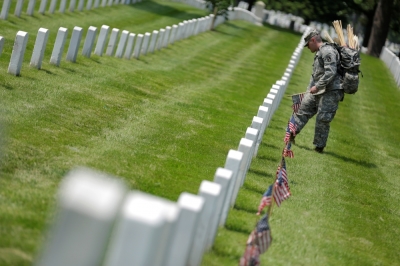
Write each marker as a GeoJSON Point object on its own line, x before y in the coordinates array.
{"type": "Point", "coordinates": [166, 122]}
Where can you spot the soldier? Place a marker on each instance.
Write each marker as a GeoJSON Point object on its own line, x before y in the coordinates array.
{"type": "Point", "coordinates": [323, 93]}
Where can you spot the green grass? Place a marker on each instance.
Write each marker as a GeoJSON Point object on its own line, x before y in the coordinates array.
{"type": "Point", "coordinates": [166, 122]}
{"type": "Point", "coordinates": [344, 208]}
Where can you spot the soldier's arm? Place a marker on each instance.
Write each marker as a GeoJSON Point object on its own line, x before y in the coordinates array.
{"type": "Point", "coordinates": [330, 69]}
{"type": "Point", "coordinates": [310, 84]}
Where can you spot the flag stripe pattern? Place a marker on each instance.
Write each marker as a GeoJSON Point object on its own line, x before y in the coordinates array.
{"type": "Point", "coordinates": [264, 238]}
{"type": "Point", "coordinates": [282, 190]}
{"type": "Point", "coordinates": [297, 99]}
{"type": "Point", "coordinates": [290, 129]}
{"type": "Point", "coordinates": [287, 152]}
{"type": "Point", "coordinates": [266, 200]}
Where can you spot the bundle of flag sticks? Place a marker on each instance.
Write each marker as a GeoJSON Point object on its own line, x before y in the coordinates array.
{"type": "Point", "coordinates": [351, 38]}
{"type": "Point", "coordinates": [337, 24]}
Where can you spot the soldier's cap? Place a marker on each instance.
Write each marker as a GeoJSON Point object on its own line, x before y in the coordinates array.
{"type": "Point", "coordinates": [311, 34]}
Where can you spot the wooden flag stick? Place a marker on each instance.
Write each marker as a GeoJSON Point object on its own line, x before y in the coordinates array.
{"type": "Point", "coordinates": [297, 94]}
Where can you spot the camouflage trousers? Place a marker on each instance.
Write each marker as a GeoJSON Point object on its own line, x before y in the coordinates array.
{"type": "Point", "coordinates": [324, 106]}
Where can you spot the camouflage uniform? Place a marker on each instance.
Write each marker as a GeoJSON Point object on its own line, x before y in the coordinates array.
{"type": "Point", "coordinates": [325, 102]}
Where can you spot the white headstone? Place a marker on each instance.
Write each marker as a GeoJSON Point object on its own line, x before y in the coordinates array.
{"type": "Point", "coordinates": [224, 178]}
{"type": "Point", "coordinates": [122, 43]}
{"type": "Point", "coordinates": [173, 34]}
{"type": "Point", "coordinates": [18, 8]}
{"type": "Point", "coordinates": [39, 48]}
{"type": "Point", "coordinates": [31, 7]}
{"type": "Point", "coordinates": [139, 232]}
{"type": "Point", "coordinates": [264, 113]}
{"type": "Point", "coordinates": [210, 191]}
{"type": "Point", "coordinates": [59, 46]}
{"type": "Point", "coordinates": [252, 134]}
{"type": "Point", "coordinates": [232, 163]}
{"type": "Point", "coordinates": [138, 46]}
{"type": "Point", "coordinates": [259, 9]}
{"type": "Point", "coordinates": [17, 56]}
{"type": "Point", "coordinates": [145, 44]}
{"type": "Point", "coordinates": [96, 3]}
{"type": "Point", "coordinates": [245, 146]}
{"type": "Point", "coordinates": [52, 6]}
{"type": "Point", "coordinates": [88, 203]}
{"type": "Point", "coordinates": [101, 41]}
{"type": "Point", "coordinates": [80, 5]}
{"type": "Point", "coordinates": [72, 5]}
{"type": "Point", "coordinates": [160, 39]}
{"type": "Point", "coordinates": [89, 4]}
{"type": "Point", "coordinates": [180, 31]}
{"type": "Point", "coordinates": [5, 9]}
{"type": "Point", "coordinates": [103, 3]}
{"type": "Point", "coordinates": [112, 42]}
{"type": "Point", "coordinates": [89, 41]}
{"type": "Point", "coordinates": [129, 45]}
{"type": "Point", "coordinates": [63, 4]}
{"type": "Point", "coordinates": [74, 44]}
{"type": "Point", "coordinates": [257, 123]}
{"type": "Point", "coordinates": [1, 44]}
{"type": "Point", "coordinates": [166, 36]}
{"type": "Point", "coordinates": [153, 41]}
{"type": "Point", "coordinates": [191, 207]}
{"type": "Point", "coordinates": [42, 7]}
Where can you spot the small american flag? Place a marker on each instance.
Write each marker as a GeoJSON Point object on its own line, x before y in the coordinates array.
{"type": "Point", "coordinates": [251, 256]}
{"type": "Point", "coordinates": [292, 125]}
{"type": "Point", "coordinates": [264, 238]}
{"type": "Point", "coordinates": [266, 200]}
{"type": "Point", "coordinates": [297, 99]}
{"type": "Point", "coordinates": [282, 190]}
{"type": "Point", "coordinates": [287, 152]}
{"type": "Point", "coordinates": [290, 129]}
{"type": "Point", "coordinates": [259, 241]}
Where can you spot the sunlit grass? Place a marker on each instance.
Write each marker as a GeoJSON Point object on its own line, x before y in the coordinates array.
{"type": "Point", "coordinates": [166, 122]}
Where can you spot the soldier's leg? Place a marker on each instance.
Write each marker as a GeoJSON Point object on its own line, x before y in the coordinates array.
{"type": "Point", "coordinates": [308, 108]}
{"type": "Point", "coordinates": [328, 104]}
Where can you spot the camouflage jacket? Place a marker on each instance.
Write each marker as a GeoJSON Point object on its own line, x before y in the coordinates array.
{"type": "Point", "coordinates": [325, 76]}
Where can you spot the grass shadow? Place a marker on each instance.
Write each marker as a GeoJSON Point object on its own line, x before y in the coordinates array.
{"type": "Point", "coordinates": [353, 161]}
{"type": "Point", "coordinates": [260, 173]}
{"type": "Point", "coordinates": [303, 147]}
{"type": "Point", "coordinates": [270, 146]}
{"type": "Point", "coordinates": [263, 157]}
{"type": "Point", "coordinates": [164, 10]}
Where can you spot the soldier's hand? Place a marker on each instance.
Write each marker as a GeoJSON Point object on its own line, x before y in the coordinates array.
{"type": "Point", "coordinates": [313, 90]}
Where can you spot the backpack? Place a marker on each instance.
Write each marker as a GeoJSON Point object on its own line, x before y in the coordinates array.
{"type": "Point", "coordinates": [350, 62]}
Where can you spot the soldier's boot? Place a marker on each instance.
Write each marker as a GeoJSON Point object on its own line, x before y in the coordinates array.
{"type": "Point", "coordinates": [319, 149]}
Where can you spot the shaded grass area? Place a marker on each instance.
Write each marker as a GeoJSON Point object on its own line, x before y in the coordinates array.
{"type": "Point", "coordinates": [344, 208]}
{"type": "Point", "coordinates": [162, 123]}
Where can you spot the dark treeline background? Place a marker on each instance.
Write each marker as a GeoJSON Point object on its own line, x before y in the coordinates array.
{"type": "Point", "coordinates": [375, 20]}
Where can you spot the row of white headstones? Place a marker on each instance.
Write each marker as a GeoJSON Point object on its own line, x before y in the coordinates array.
{"type": "Point", "coordinates": [100, 222]}
{"type": "Point", "coordinates": [129, 44]}
{"type": "Point", "coordinates": [393, 63]}
{"type": "Point", "coordinates": [62, 6]}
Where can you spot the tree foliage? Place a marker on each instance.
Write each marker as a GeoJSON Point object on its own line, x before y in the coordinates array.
{"type": "Point", "coordinates": [360, 12]}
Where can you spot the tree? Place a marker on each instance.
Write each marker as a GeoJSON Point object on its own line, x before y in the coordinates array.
{"type": "Point", "coordinates": [381, 27]}
{"type": "Point", "coordinates": [219, 8]}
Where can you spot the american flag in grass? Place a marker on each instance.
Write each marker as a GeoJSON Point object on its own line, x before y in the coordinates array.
{"type": "Point", "coordinates": [259, 241]}
{"type": "Point", "coordinates": [282, 190]}
{"type": "Point", "coordinates": [265, 200]}
{"type": "Point", "coordinates": [292, 125]}
{"type": "Point", "coordinates": [264, 237]}
{"type": "Point", "coordinates": [297, 99]}
{"type": "Point", "coordinates": [290, 129]}
{"type": "Point", "coordinates": [287, 152]}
